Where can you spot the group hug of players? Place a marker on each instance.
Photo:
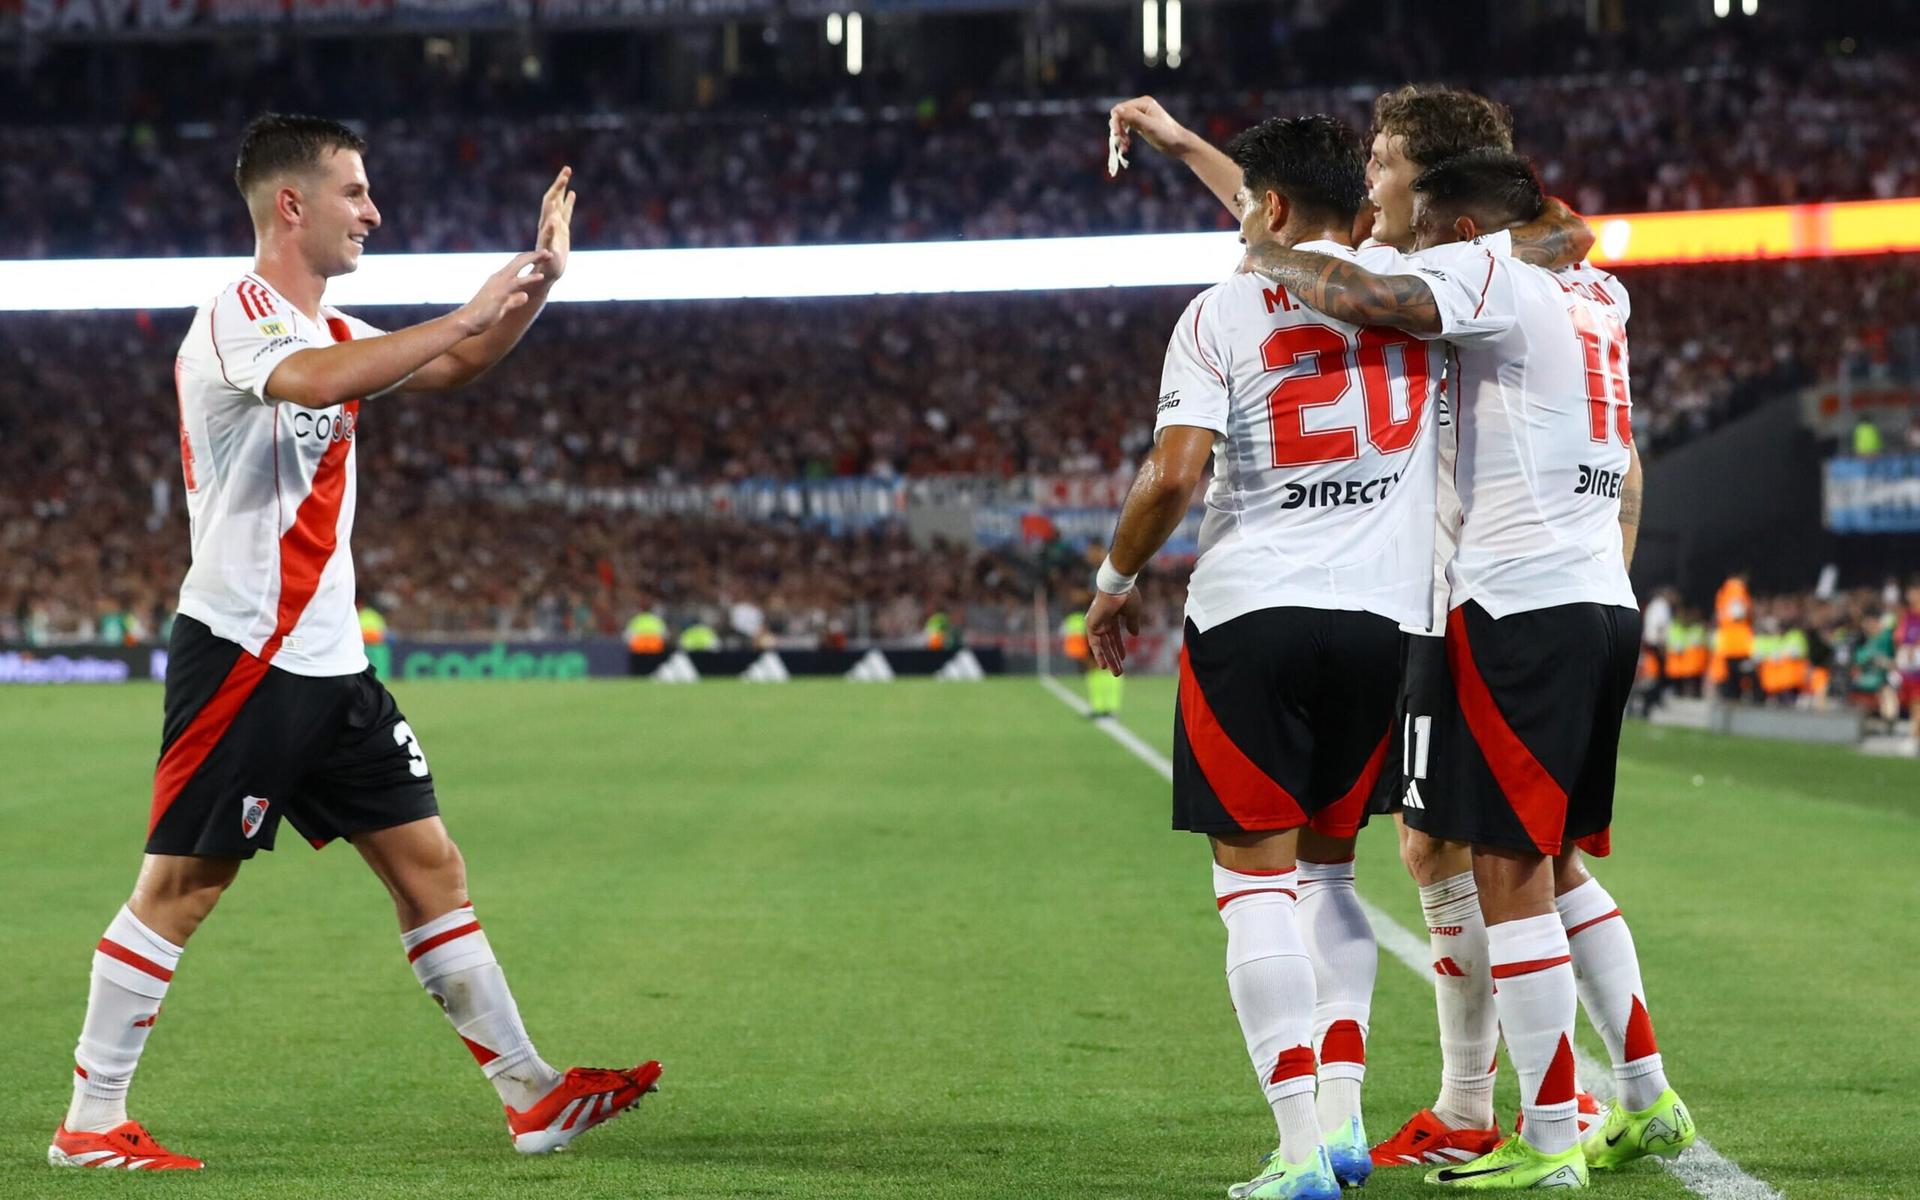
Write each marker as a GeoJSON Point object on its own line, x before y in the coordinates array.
{"type": "Point", "coordinates": [1411, 597]}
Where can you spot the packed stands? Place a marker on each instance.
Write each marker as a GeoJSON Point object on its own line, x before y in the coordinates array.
{"type": "Point", "coordinates": [134, 183]}
{"type": "Point", "coordinates": [611, 395]}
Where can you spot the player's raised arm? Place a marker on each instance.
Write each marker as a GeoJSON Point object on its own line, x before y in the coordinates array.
{"type": "Point", "coordinates": [1347, 291]}
{"type": "Point", "coordinates": [1558, 238]}
{"type": "Point", "coordinates": [1144, 116]}
{"type": "Point", "coordinates": [474, 357]}
{"type": "Point", "coordinates": [327, 375]}
{"type": "Point", "coordinates": [1455, 287]}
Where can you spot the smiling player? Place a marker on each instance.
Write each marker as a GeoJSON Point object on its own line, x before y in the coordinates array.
{"type": "Point", "coordinates": [271, 708]}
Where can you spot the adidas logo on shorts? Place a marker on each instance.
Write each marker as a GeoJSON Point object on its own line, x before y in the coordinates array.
{"type": "Point", "coordinates": [1412, 798]}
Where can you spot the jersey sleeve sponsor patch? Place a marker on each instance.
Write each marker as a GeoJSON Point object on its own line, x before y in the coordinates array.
{"type": "Point", "coordinates": [251, 338]}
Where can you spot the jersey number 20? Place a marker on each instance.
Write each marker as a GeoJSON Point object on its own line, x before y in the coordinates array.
{"type": "Point", "coordinates": [1335, 360]}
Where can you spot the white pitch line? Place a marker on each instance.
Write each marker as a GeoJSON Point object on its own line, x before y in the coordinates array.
{"type": "Point", "coordinates": [1120, 733]}
{"type": "Point", "coordinates": [1703, 1170]}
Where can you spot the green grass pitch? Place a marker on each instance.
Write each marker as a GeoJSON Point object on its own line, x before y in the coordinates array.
{"type": "Point", "coordinates": [914, 939]}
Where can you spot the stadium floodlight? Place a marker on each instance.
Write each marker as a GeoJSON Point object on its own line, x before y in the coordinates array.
{"type": "Point", "coordinates": [1723, 8]}
{"type": "Point", "coordinates": [1750, 7]}
{"type": "Point", "coordinates": [921, 268]}
{"type": "Point", "coordinates": [1150, 31]}
{"type": "Point", "coordinates": [856, 48]}
{"type": "Point", "coordinates": [1173, 33]}
{"type": "Point", "coordinates": [834, 23]}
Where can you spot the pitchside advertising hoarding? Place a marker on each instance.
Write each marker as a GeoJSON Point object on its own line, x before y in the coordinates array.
{"type": "Point", "coordinates": [1873, 495]}
{"type": "Point", "coordinates": [595, 658]}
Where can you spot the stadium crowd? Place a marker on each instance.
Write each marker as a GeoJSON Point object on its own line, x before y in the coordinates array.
{"type": "Point", "coordinates": [1000, 387]}
{"type": "Point", "coordinates": [136, 183]}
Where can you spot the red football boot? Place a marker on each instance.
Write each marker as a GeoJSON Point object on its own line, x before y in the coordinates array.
{"type": "Point", "coordinates": [584, 1097]}
{"type": "Point", "coordinates": [125, 1147]}
{"type": "Point", "coordinates": [1425, 1139]}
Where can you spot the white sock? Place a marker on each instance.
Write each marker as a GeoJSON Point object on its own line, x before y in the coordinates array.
{"type": "Point", "coordinates": [131, 969]}
{"type": "Point", "coordinates": [1463, 995]}
{"type": "Point", "coordinates": [1607, 971]}
{"type": "Point", "coordinates": [1340, 945]}
{"type": "Point", "coordinates": [1534, 992]}
{"type": "Point", "coordinates": [1271, 982]}
{"type": "Point", "coordinates": [453, 961]}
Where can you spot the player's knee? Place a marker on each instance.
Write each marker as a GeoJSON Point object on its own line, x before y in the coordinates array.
{"type": "Point", "coordinates": [1430, 859]}
{"type": "Point", "coordinates": [436, 877]}
{"type": "Point", "coordinates": [1317, 847]}
{"type": "Point", "coordinates": [174, 894]}
{"type": "Point", "coordinates": [1569, 872]}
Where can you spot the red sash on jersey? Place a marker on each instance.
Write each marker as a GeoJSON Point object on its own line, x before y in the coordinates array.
{"type": "Point", "coordinates": [305, 549]}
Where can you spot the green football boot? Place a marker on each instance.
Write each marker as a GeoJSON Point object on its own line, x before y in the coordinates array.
{"type": "Point", "coordinates": [1515, 1164]}
{"type": "Point", "coordinates": [1665, 1129]}
{"type": "Point", "coordinates": [1277, 1180]}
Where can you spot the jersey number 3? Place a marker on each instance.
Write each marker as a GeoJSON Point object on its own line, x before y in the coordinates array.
{"type": "Point", "coordinates": [1335, 360]}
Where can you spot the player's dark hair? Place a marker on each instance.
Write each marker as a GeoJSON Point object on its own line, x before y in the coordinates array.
{"type": "Point", "coordinates": [1315, 162]}
{"type": "Point", "coordinates": [1497, 188]}
{"type": "Point", "coordinates": [274, 143]}
{"type": "Point", "coordinates": [1440, 122]}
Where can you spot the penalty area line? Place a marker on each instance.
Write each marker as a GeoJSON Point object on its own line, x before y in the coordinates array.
{"type": "Point", "coordinates": [1703, 1170]}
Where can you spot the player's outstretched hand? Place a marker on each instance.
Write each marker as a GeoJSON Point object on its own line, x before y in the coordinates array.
{"type": "Point", "coordinates": [555, 234]}
{"type": "Point", "coordinates": [1144, 116]}
{"type": "Point", "coordinates": [1105, 618]}
{"type": "Point", "coordinates": [505, 290]}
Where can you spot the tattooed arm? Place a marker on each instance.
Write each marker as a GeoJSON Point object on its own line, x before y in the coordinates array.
{"type": "Point", "coordinates": [1559, 238]}
{"type": "Point", "coordinates": [1349, 292]}
{"type": "Point", "coordinates": [1632, 491]}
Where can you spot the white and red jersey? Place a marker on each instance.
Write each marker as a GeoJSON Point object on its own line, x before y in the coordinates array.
{"type": "Point", "coordinates": [1446, 507]}
{"type": "Point", "coordinates": [270, 485]}
{"type": "Point", "coordinates": [1323, 459]}
{"type": "Point", "coordinates": [1543, 412]}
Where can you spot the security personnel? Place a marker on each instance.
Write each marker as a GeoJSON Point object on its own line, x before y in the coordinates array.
{"type": "Point", "coordinates": [699, 636]}
{"type": "Point", "coordinates": [1867, 440]}
{"type": "Point", "coordinates": [373, 634]}
{"type": "Point", "coordinates": [1795, 673]}
{"type": "Point", "coordinates": [373, 626]}
{"type": "Point", "coordinates": [647, 634]}
{"type": "Point", "coordinates": [1733, 638]}
{"type": "Point", "coordinates": [1686, 655]}
{"type": "Point", "coordinates": [936, 630]}
{"type": "Point", "coordinates": [1769, 659]}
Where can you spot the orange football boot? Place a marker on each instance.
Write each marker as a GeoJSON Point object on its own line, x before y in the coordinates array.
{"type": "Point", "coordinates": [584, 1097]}
{"type": "Point", "coordinates": [1426, 1140]}
{"type": "Point", "coordinates": [125, 1147]}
